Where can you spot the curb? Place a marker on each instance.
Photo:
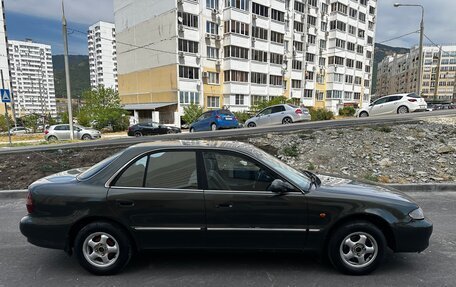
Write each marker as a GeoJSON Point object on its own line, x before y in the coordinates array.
{"type": "Point", "coordinates": [425, 187]}
{"type": "Point", "coordinates": [13, 194]}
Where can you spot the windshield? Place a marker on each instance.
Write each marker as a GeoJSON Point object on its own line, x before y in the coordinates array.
{"type": "Point", "coordinates": [98, 167]}
{"type": "Point", "coordinates": [295, 176]}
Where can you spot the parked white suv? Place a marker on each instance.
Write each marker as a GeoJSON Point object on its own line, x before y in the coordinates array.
{"type": "Point", "coordinates": [394, 104]}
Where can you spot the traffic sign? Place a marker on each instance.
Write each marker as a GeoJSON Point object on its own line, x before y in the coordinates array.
{"type": "Point", "coordinates": [6, 96]}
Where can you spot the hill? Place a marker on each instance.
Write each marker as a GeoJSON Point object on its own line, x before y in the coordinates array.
{"type": "Point", "coordinates": [381, 51]}
{"type": "Point", "coordinates": [79, 72]}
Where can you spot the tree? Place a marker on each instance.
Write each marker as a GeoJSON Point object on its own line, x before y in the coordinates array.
{"type": "Point", "coordinates": [274, 101]}
{"type": "Point", "coordinates": [31, 121]}
{"type": "Point", "coordinates": [102, 108]}
{"type": "Point", "coordinates": [3, 126]}
{"type": "Point", "coordinates": [192, 113]}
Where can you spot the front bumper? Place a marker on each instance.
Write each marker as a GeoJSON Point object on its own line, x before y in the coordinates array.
{"type": "Point", "coordinates": [413, 236]}
{"type": "Point", "coordinates": [42, 233]}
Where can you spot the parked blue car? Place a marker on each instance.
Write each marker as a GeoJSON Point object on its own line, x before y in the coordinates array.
{"type": "Point", "coordinates": [215, 120]}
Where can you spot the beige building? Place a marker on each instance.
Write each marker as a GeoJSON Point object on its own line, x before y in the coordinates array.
{"type": "Point", "coordinates": [399, 73]}
{"type": "Point", "coordinates": [235, 53]}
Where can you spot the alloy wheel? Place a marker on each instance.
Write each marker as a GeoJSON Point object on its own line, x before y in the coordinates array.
{"type": "Point", "coordinates": [358, 250]}
{"type": "Point", "coordinates": [100, 249]}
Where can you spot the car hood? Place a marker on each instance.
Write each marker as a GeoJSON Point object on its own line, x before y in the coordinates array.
{"type": "Point", "coordinates": [347, 187]}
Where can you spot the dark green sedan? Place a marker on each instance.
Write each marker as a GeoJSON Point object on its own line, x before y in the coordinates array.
{"type": "Point", "coordinates": [216, 195]}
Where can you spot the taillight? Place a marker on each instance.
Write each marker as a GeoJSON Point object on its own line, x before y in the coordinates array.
{"type": "Point", "coordinates": [412, 100]}
{"type": "Point", "coordinates": [298, 111]}
{"type": "Point", "coordinates": [29, 203]}
{"type": "Point", "coordinates": [218, 117]}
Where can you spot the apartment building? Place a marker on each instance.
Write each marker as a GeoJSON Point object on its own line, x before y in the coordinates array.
{"type": "Point", "coordinates": [4, 66]}
{"type": "Point", "coordinates": [32, 78]}
{"type": "Point", "coordinates": [235, 53]}
{"type": "Point", "coordinates": [101, 40]}
{"type": "Point", "coordinates": [399, 73]}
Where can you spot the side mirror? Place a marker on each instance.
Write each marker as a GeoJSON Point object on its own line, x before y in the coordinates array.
{"type": "Point", "coordinates": [279, 186]}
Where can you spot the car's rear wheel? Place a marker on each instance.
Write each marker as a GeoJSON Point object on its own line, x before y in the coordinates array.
{"type": "Point", "coordinates": [102, 248]}
{"type": "Point", "coordinates": [287, 121]}
{"type": "Point", "coordinates": [86, 137]}
{"type": "Point", "coordinates": [213, 127]}
{"type": "Point", "coordinates": [363, 115]}
{"type": "Point", "coordinates": [402, 110]}
{"type": "Point", "coordinates": [138, 134]}
{"type": "Point", "coordinates": [192, 130]}
{"type": "Point", "coordinates": [251, 125]}
{"type": "Point", "coordinates": [357, 248]}
{"type": "Point", "coordinates": [52, 138]}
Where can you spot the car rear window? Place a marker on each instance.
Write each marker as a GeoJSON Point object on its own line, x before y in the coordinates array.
{"type": "Point", "coordinates": [98, 167]}
{"type": "Point", "coordinates": [226, 113]}
{"type": "Point", "coordinates": [413, 95]}
{"type": "Point", "coordinates": [293, 106]}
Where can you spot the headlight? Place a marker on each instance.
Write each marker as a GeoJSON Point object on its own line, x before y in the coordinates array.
{"type": "Point", "coordinates": [417, 214]}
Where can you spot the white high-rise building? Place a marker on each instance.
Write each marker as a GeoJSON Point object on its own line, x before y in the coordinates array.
{"type": "Point", "coordinates": [4, 67]}
{"type": "Point", "coordinates": [102, 55]}
{"type": "Point", "coordinates": [32, 78]}
{"type": "Point", "coordinates": [236, 53]}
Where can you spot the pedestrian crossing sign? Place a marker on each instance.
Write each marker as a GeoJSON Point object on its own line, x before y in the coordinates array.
{"type": "Point", "coordinates": [6, 96]}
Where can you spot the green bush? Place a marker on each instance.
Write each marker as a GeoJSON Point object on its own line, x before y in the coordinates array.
{"type": "Point", "coordinates": [291, 151]}
{"type": "Point", "coordinates": [272, 102]}
{"type": "Point", "coordinates": [321, 114]}
{"type": "Point", "coordinates": [242, 116]}
{"type": "Point", "coordinates": [3, 126]}
{"type": "Point", "coordinates": [192, 113]}
{"type": "Point", "coordinates": [347, 111]}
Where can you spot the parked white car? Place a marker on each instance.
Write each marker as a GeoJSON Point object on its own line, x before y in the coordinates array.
{"type": "Point", "coordinates": [19, 131]}
{"type": "Point", "coordinates": [279, 114]}
{"type": "Point", "coordinates": [394, 104]}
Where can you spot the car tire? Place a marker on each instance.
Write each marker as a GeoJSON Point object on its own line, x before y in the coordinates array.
{"type": "Point", "coordinates": [354, 243]}
{"type": "Point", "coordinates": [251, 125]}
{"type": "Point", "coordinates": [363, 115]}
{"type": "Point", "coordinates": [192, 130]}
{"type": "Point", "coordinates": [213, 127]}
{"type": "Point", "coordinates": [138, 134]}
{"type": "Point", "coordinates": [52, 139]}
{"type": "Point", "coordinates": [92, 244]}
{"type": "Point", "coordinates": [170, 132]}
{"type": "Point", "coordinates": [86, 137]}
{"type": "Point", "coordinates": [402, 110]}
{"type": "Point", "coordinates": [287, 121]}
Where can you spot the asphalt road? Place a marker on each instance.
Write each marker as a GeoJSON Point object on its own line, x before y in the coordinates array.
{"type": "Point", "coordinates": [22, 264]}
{"type": "Point", "coordinates": [390, 119]}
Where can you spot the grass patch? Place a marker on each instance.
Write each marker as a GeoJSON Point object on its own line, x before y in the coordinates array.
{"type": "Point", "coordinates": [371, 177]}
{"type": "Point", "coordinates": [311, 166]}
{"type": "Point", "coordinates": [291, 151]}
{"type": "Point", "coordinates": [383, 129]}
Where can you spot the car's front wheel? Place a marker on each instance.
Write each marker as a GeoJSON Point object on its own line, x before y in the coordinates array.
{"type": "Point", "coordinates": [102, 248]}
{"type": "Point", "coordinates": [213, 127]}
{"type": "Point", "coordinates": [357, 248]}
{"type": "Point", "coordinates": [86, 137]}
{"type": "Point", "coordinates": [363, 115]}
{"type": "Point", "coordinates": [251, 125]}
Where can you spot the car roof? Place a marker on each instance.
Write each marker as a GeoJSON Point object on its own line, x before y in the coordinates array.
{"type": "Point", "coordinates": [189, 144]}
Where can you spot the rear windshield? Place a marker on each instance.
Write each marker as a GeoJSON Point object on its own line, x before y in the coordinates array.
{"type": "Point", "coordinates": [226, 113]}
{"type": "Point", "coordinates": [413, 95]}
{"type": "Point", "coordinates": [293, 106]}
{"type": "Point", "coordinates": [98, 167]}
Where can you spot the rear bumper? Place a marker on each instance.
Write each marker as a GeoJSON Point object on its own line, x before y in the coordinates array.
{"type": "Point", "coordinates": [42, 233]}
{"type": "Point", "coordinates": [227, 124]}
{"type": "Point", "coordinates": [302, 118]}
{"type": "Point", "coordinates": [413, 236]}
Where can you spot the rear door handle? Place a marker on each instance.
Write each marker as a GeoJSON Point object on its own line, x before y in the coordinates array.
{"type": "Point", "coordinates": [225, 205]}
{"type": "Point", "coordinates": [125, 203]}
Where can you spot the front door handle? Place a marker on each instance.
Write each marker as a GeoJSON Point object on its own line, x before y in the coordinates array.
{"type": "Point", "coordinates": [225, 205]}
{"type": "Point", "coordinates": [125, 203]}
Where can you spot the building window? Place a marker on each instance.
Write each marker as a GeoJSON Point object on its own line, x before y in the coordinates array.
{"type": "Point", "coordinates": [311, 39]}
{"type": "Point", "coordinates": [311, 20]}
{"type": "Point", "coordinates": [258, 99]}
{"type": "Point", "coordinates": [351, 46]}
{"type": "Point", "coordinates": [186, 72]}
{"type": "Point", "coordinates": [213, 78]}
{"type": "Point", "coordinates": [277, 37]}
{"type": "Point", "coordinates": [309, 75]}
{"type": "Point", "coordinates": [213, 102]}
{"type": "Point", "coordinates": [322, 44]}
{"type": "Point", "coordinates": [212, 4]}
{"type": "Point", "coordinates": [334, 94]}
{"type": "Point", "coordinates": [350, 63]}
{"type": "Point", "coordinates": [187, 98]}
{"type": "Point", "coordinates": [298, 26]}
{"type": "Point", "coordinates": [276, 59]}
{"type": "Point", "coordinates": [275, 80]}
{"type": "Point", "coordinates": [340, 43]}
{"type": "Point", "coordinates": [362, 17]}
{"type": "Point", "coordinates": [338, 25]}
{"type": "Point", "coordinates": [353, 13]}
{"type": "Point", "coordinates": [300, 7]}
{"type": "Point", "coordinates": [310, 57]}
{"type": "Point", "coordinates": [236, 27]}
{"type": "Point", "coordinates": [351, 30]}
{"type": "Point", "coordinates": [236, 76]}
{"type": "Point", "coordinates": [298, 46]}
{"type": "Point", "coordinates": [236, 52]}
{"type": "Point", "coordinates": [277, 15]}
{"type": "Point", "coordinates": [259, 33]}
{"type": "Point", "coordinates": [359, 65]}
{"type": "Point", "coordinates": [188, 19]}
{"type": "Point", "coordinates": [188, 46]}
{"type": "Point", "coordinates": [324, 26]}
{"type": "Point", "coordinates": [308, 93]}
{"type": "Point", "coordinates": [359, 49]}
{"type": "Point", "coordinates": [260, 9]}
{"type": "Point", "coordinates": [260, 56]}
{"type": "Point", "coordinates": [296, 84]}
{"type": "Point", "coordinates": [240, 4]}
{"type": "Point", "coordinates": [349, 79]}
{"type": "Point", "coordinates": [339, 7]}
{"type": "Point", "coordinates": [296, 65]}
{"type": "Point", "coordinates": [357, 96]}
{"type": "Point", "coordinates": [320, 96]}
{"type": "Point", "coordinates": [239, 100]}
{"type": "Point", "coordinates": [361, 33]}
{"type": "Point", "coordinates": [212, 53]}
{"type": "Point", "coordinates": [212, 28]}
{"type": "Point", "coordinates": [259, 78]}
{"type": "Point", "coordinates": [358, 81]}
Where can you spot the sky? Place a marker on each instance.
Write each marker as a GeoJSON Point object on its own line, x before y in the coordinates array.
{"type": "Point", "coordinates": [40, 20]}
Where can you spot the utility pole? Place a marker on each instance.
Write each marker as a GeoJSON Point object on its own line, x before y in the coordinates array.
{"type": "Point", "coordinates": [421, 58]}
{"type": "Point", "coordinates": [67, 71]}
{"type": "Point", "coordinates": [6, 111]}
{"type": "Point", "coordinates": [437, 75]}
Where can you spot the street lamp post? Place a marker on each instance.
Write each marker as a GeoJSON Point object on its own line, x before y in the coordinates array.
{"type": "Point", "coordinates": [420, 58]}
